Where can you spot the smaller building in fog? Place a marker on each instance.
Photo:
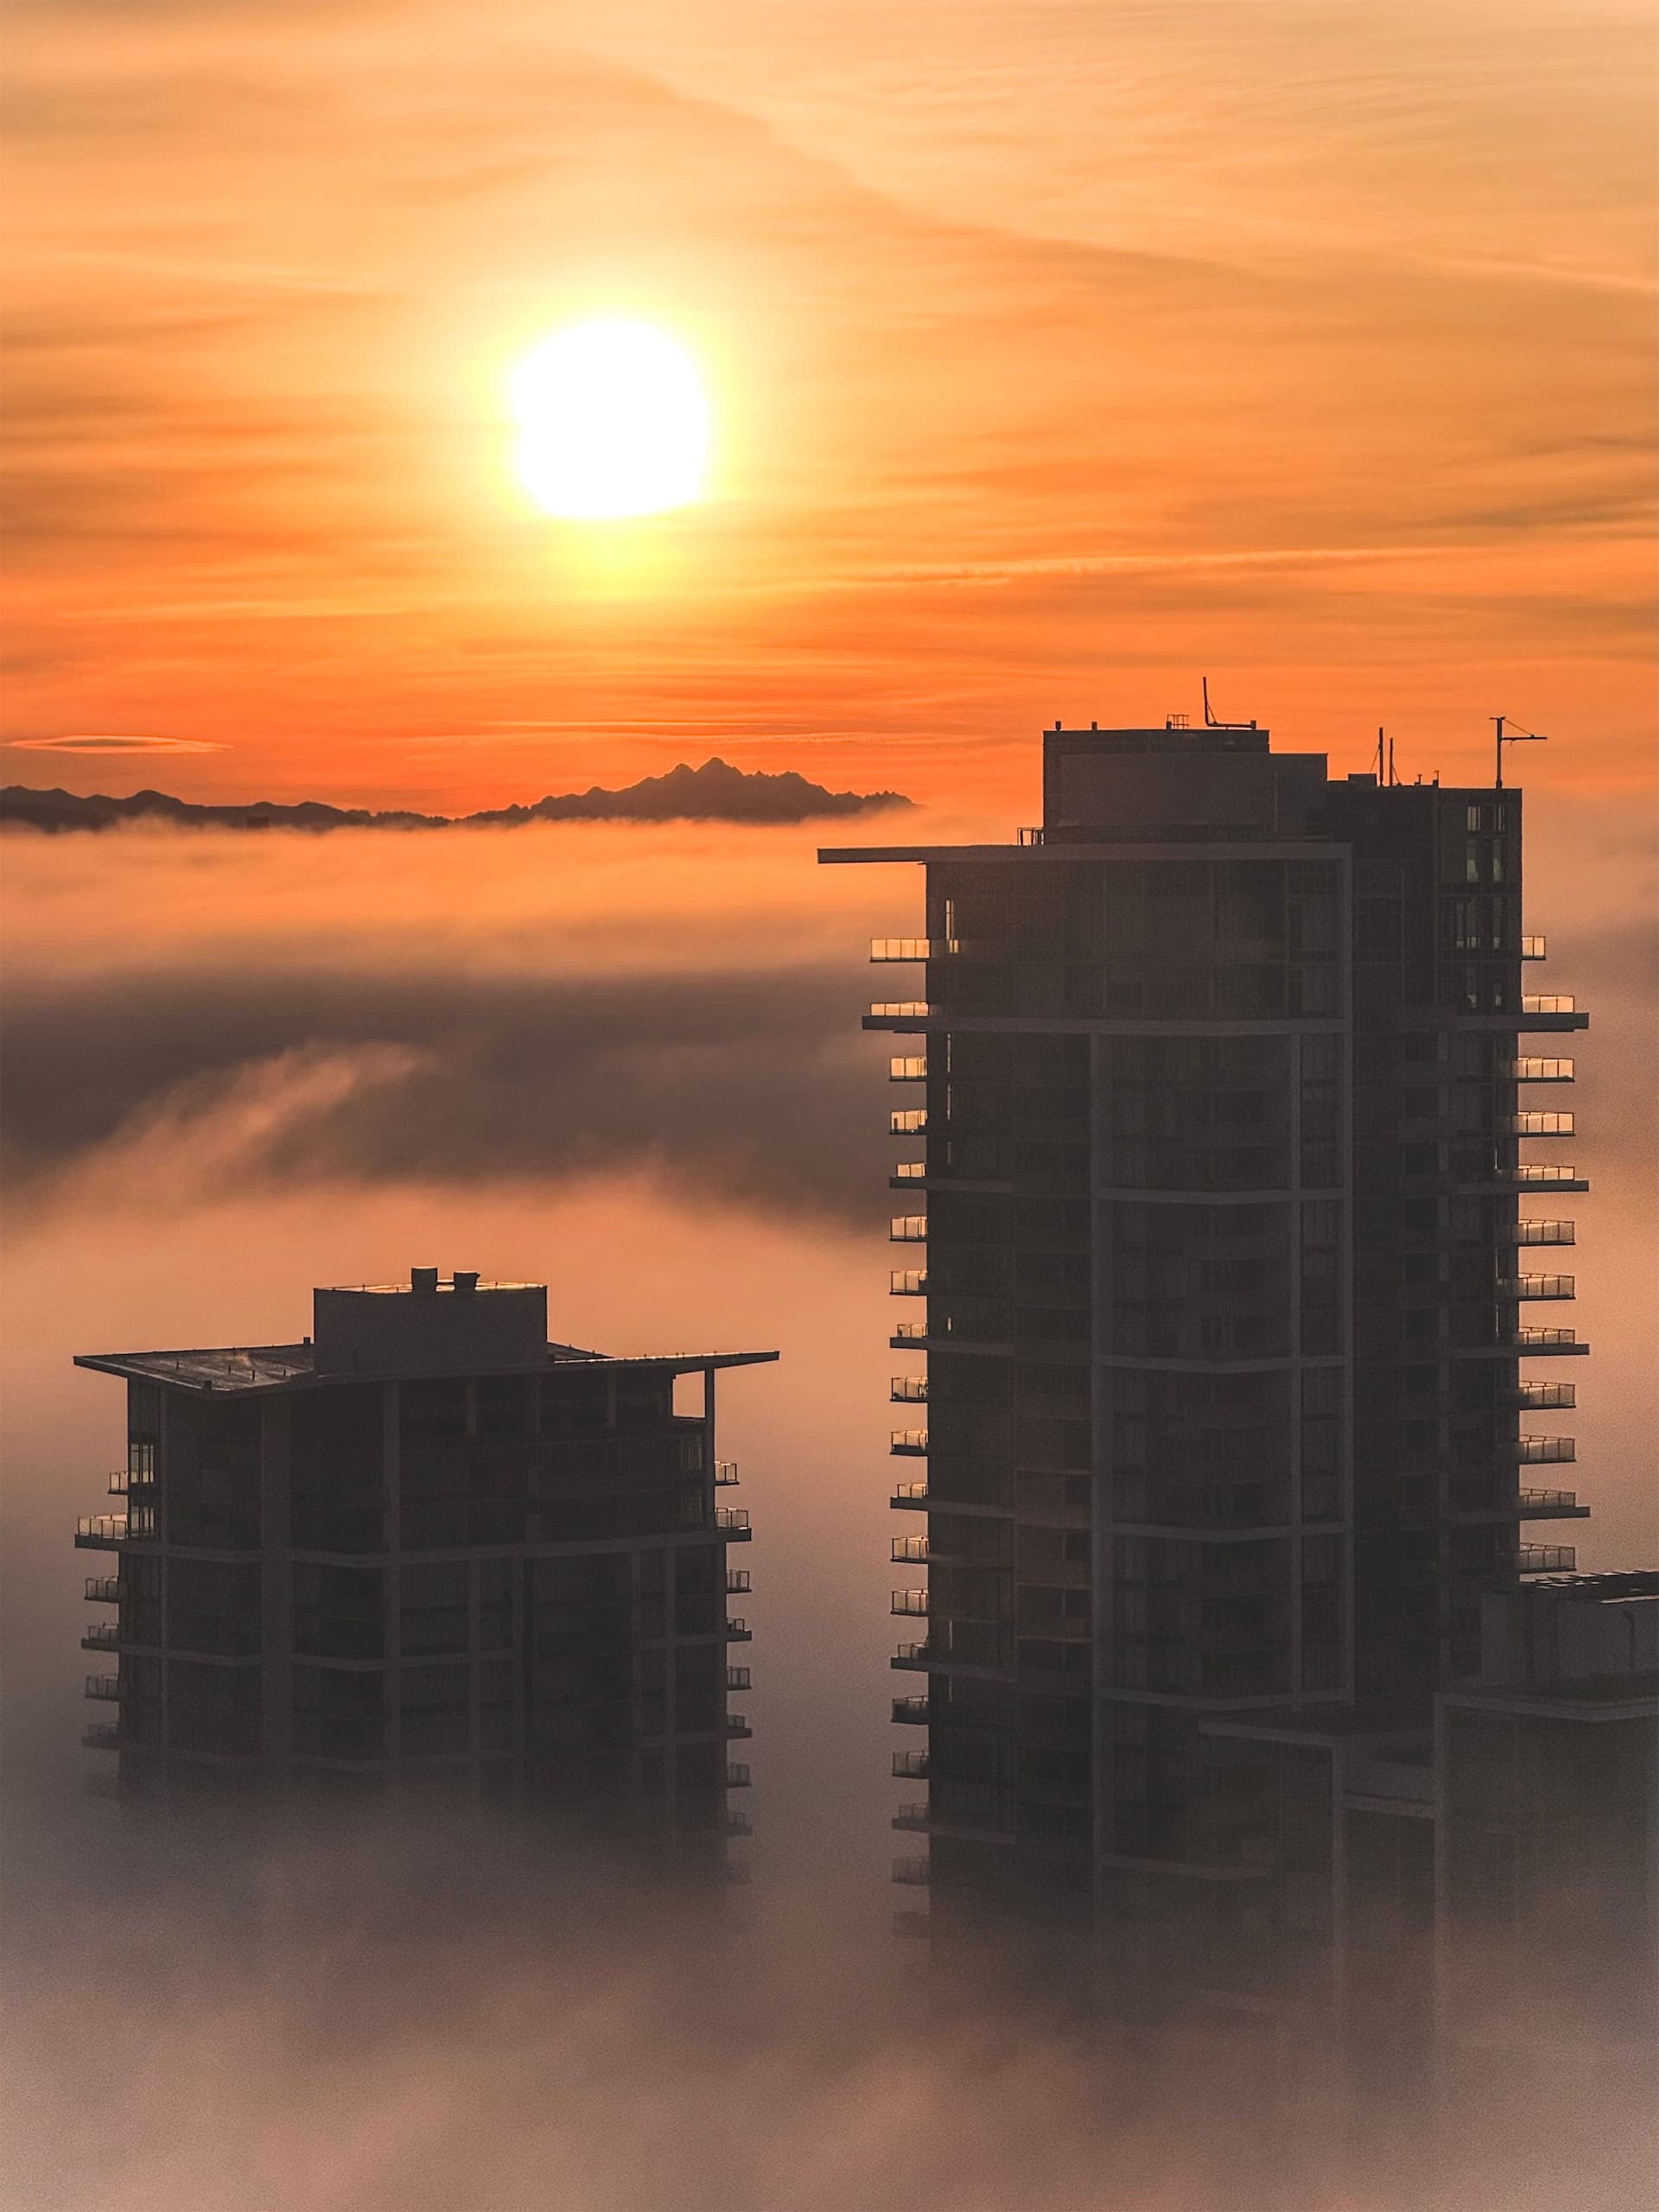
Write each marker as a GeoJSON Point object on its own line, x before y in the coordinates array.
{"type": "Point", "coordinates": [423, 1554]}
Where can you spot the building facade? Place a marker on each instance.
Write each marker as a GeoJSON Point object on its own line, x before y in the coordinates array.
{"type": "Point", "coordinates": [425, 1555]}
{"type": "Point", "coordinates": [1237, 1282]}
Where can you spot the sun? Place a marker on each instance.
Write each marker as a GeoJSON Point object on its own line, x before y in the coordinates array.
{"type": "Point", "coordinates": [613, 421]}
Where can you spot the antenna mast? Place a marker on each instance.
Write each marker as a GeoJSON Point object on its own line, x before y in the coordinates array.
{"type": "Point", "coordinates": [1509, 737]}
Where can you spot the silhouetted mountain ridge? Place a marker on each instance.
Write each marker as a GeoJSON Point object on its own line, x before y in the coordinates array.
{"type": "Point", "coordinates": [714, 792]}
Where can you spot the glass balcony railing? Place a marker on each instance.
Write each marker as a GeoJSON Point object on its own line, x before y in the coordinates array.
{"type": "Point", "coordinates": [908, 1389]}
{"type": "Point", "coordinates": [104, 1685]}
{"type": "Point", "coordinates": [1537, 1287]}
{"type": "Point", "coordinates": [737, 1630]}
{"type": "Point", "coordinates": [1546, 1232]}
{"type": "Point", "coordinates": [910, 1551]}
{"type": "Point", "coordinates": [908, 1442]}
{"type": "Point", "coordinates": [915, 1814]}
{"type": "Point", "coordinates": [737, 1725]}
{"type": "Point", "coordinates": [910, 1712]}
{"type": "Point", "coordinates": [909, 1171]}
{"type": "Point", "coordinates": [1538, 1178]}
{"type": "Point", "coordinates": [1533, 1069]}
{"type": "Point", "coordinates": [1545, 1451]}
{"type": "Point", "coordinates": [737, 1678]}
{"type": "Point", "coordinates": [1528, 1341]}
{"type": "Point", "coordinates": [909, 1766]}
{"type": "Point", "coordinates": [1548, 1002]}
{"type": "Point", "coordinates": [912, 948]}
{"type": "Point", "coordinates": [910, 1602]}
{"type": "Point", "coordinates": [101, 1528]}
{"type": "Point", "coordinates": [908, 1282]}
{"type": "Point", "coordinates": [738, 1584]}
{"type": "Point", "coordinates": [911, 1872]}
{"type": "Point", "coordinates": [731, 1519]}
{"type": "Point", "coordinates": [1542, 1504]}
{"type": "Point", "coordinates": [910, 1654]}
{"type": "Point", "coordinates": [1537, 1124]}
{"type": "Point", "coordinates": [907, 1067]}
{"type": "Point", "coordinates": [1545, 1397]}
{"type": "Point", "coordinates": [1546, 1559]}
{"type": "Point", "coordinates": [724, 1474]}
{"type": "Point", "coordinates": [900, 1010]}
{"type": "Point", "coordinates": [911, 1122]}
{"type": "Point", "coordinates": [907, 1229]}
{"type": "Point", "coordinates": [104, 1589]}
{"type": "Point", "coordinates": [102, 1636]}
{"type": "Point", "coordinates": [1532, 948]}
{"type": "Point", "coordinates": [737, 1776]}
{"type": "Point", "coordinates": [909, 1332]}
{"type": "Point", "coordinates": [911, 1495]}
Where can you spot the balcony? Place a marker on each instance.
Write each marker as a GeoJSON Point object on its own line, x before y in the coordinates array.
{"type": "Point", "coordinates": [908, 1282]}
{"type": "Point", "coordinates": [107, 1687]}
{"type": "Point", "coordinates": [1532, 948]}
{"type": "Point", "coordinates": [910, 1551]}
{"type": "Point", "coordinates": [908, 1333]}
{"type": "Point", "coordinates": [913, 1815]}
{"type": "Point", "coordinates": [736, 1725]}
{"type": "Point", "coordinates": [910, 1654]}
{"type": "Point", "coordinates": [1535, 1288]}
{"type": "Point", "coordinates": [1546, 1232]}
{"type": "Point", "coordinates": [1546, 1559]}
{"type": "Point", "coordinates": [102, 1636]}
{"type": "Point", "coordinates": [100, 1531]}
{"type": "Point", "coordinates": [909, 1171]}
{"type": "Point", "coordinates": [899, 1010]}
{"type": "Point", "coordinates": [909, 1122]}
{"type": "Point", "coordinates": [101, 1738]}
{"type": "Point", "coordinates": [907, 1229]}
{"type": "Point", "coordinates": [737, 1776]}
{"type": "Point", "coordinates": [907, 1443]}
{"type": "Point", "coordinates": [1551, 1505]}
{"type": "Point", "coordinates": [726, 1474]}
{"type": "Point", "coordinates": [1031, 833]}
{"type": "Point", "coordinates": [909, 1766]}
{"type": "Point", "coordinates": [912, 948]}
{"type": "Point", "coordinates": [1536, 1125]}
{"type": "Point", "coordinates": [1548, 1002]}
{"type": "Point", "coordinates": [739, 1631]}
{"type": "Point", "coordinates": [910, 1498]}
{"type": "Point", "coordinates": [733, 1522]}
{"type": "Point", "coordinates": [909, 1602]}
{"type": "Point", "coordinates": [103, 1590]}
{"type": "Point", "coordinates": [908, 1389]}
{"type": "Point", "coordinates": [1531, 1068]}
{"type": "Point", "coordinates": [910, 1712]}
{"type": "Point", "coordinates": [1544, 1397]}
{"type": "Point", "coordinates": [908, 1067]}
{"type": "Point", "coordinates": [737, 1678]}
{"type": "Point", "coordinates": [912, 1872]}
{"type": "Point", "coordinates": [1541, 1344]}
{"type": "Point", "coordinates": [738, 1584]}
{"type": "Point", "coordinates": [1545, 1451]}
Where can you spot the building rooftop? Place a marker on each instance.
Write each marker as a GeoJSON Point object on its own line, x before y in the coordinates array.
{"type": "Point", "coordinates": [432, 1325]}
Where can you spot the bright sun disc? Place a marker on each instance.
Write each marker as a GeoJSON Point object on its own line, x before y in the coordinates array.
{"type": "Point", "coordinates": [613, 421]}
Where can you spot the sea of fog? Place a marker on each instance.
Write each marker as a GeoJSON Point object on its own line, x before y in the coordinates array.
{"type": "Point", "coordinates": [626, 1061]}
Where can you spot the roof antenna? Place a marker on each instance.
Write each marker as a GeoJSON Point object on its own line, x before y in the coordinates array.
{"type": "Point", "coordinates": [1379, 755]}
{"type": "Point", "coordinates": [1510, 737]}
{"type": "Point", "coordinates": [1393, 779]}
{"type": "Point", "coordinates": [1213, 721]}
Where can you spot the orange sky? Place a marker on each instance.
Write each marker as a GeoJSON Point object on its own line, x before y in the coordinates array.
{"type": "Point", "coordinates": [1060, 352]}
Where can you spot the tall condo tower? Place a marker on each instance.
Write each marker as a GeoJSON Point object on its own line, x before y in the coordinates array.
{"type": "Point", "coordinates": [424, 1553]}
{"type": "Point", "coordinates": [1238, 1279]}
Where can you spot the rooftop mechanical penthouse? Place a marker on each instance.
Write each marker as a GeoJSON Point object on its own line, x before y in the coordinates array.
{"type": "Point", "coordinates": [425, 1551]}
{"type": "Point", "coordinates": [1238, 1281]}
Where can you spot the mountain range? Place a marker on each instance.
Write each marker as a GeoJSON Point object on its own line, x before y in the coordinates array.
{"type": "Point", "coordinates": [714, 792]}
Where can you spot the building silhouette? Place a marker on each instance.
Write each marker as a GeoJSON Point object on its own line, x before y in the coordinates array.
{"type": "Point", "coordinates": [425, 1554]}
{"type": "Point", "coordinates": [1238, 1281]}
